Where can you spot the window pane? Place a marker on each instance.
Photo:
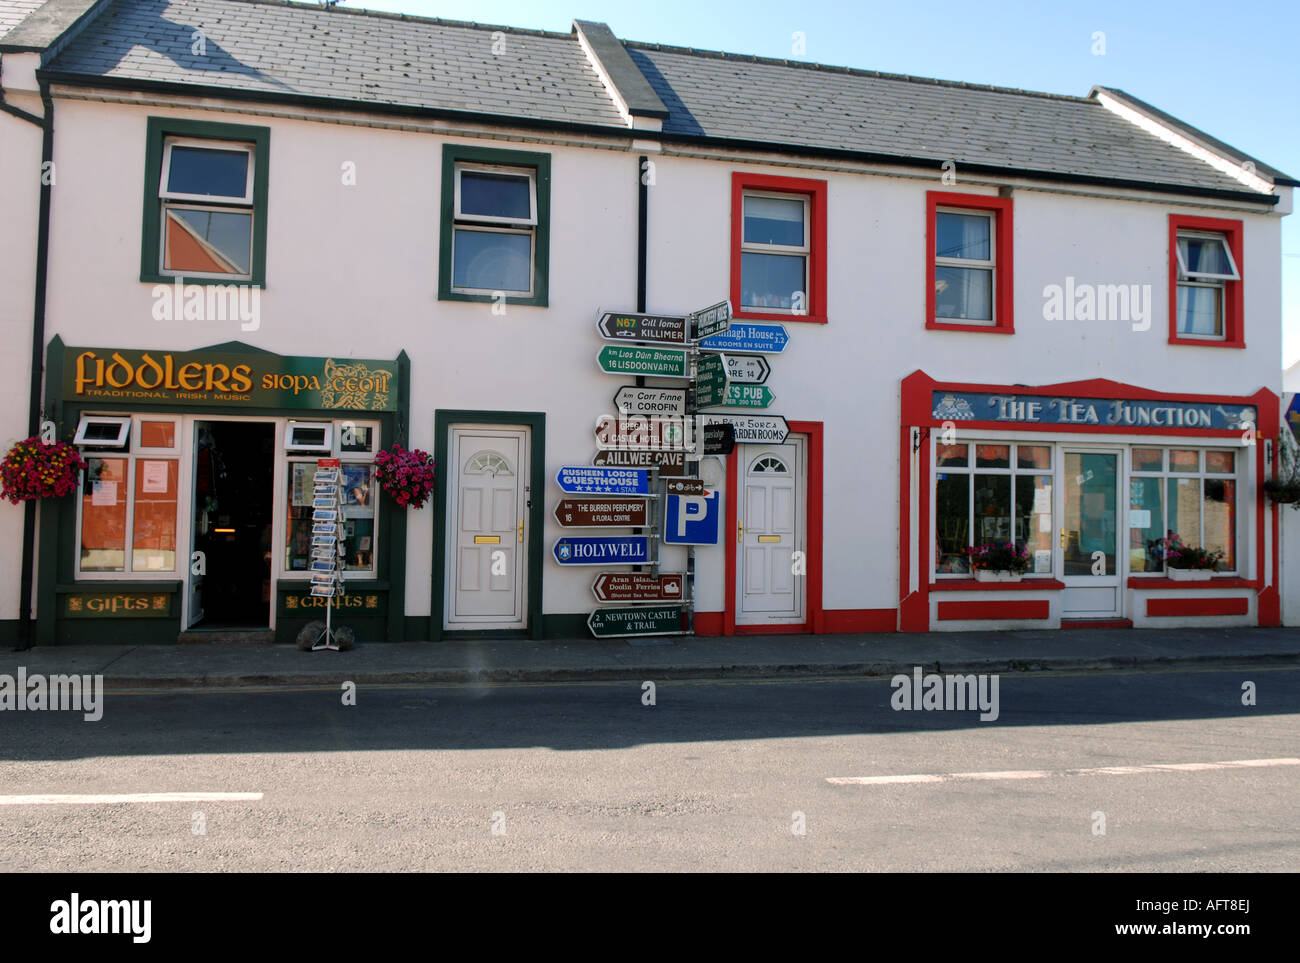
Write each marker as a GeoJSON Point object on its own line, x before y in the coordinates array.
{"type": "Point", "coordinates": [1198, 310]}
{"type": "Point", "coordinates": [153, 530]}
{"type": "Point", "coordinates": [952, 522]}
{"type": "Point", "coordinates": [216, 173]}
{"type": "Point", "coordinates": [774, 220]}
{"type": "Point", "coordinates": [1220, 462]}
{"type": "Point", "coordinates": [360, 494]}
{"type": "Point", "coordinates": [1183, 460]}
{"type": "Point", "coordinates": [965, 294]}
{"type": "Point", "coordinates": [360, 438]}
{"type": "Point", "coordinates": [1221, 519]}
{"type": "Point", "coordinates": [1148, 459]}
{"type": "Point", "coordinates": [297, 543]}
{"type": "Point", "coordinates": [103, 516]}
{"type": "Point", "coordinates": [1184, 506]}
{"type": "Point", "coordinates": [952, 456]}
{"type": "Point", "coordinates": [963, 235]}
{"type": "Point", "coordinates": [1205, 255]}
{"type": "Point", "coordinates": [495, 195]}
{"type": "Point", "coordinates": [491, 260]}
{"type": "Point", "coordinates": [157, 434]}
{"type": "Point", "coordinates": [992, 509]}
{"type": "Point", "coordinates": [1146, 524]}
{"type": "Point", "coordinates": [214, 242]}
{"type": "Point", "coordinates": [1034, 520]}
{"type": "Point", "coordinates": [1033, 456]}
{"type": "Point", "coordinates": [771, 280]}
{"type": "Point", "coordinates": [993, 456]}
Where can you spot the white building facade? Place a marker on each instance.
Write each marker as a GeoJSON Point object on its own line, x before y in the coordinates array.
{"type": "Point", "coordinates": [1070, 343]}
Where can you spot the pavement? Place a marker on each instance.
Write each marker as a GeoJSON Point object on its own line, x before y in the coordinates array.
{"type": "Point", "coordinates": [748, 657]}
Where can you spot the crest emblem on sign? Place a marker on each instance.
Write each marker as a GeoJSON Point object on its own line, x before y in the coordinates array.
{"type": "Point", "coordinates": [565, 551]}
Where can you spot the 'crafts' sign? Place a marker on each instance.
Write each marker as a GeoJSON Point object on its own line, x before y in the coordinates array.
{"type": "Point", "coordinates": [1119, 412]}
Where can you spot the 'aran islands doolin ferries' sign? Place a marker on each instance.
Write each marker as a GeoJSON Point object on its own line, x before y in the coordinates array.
{"type": "Point", "coordinates": [1117, 412]}
{"type": "Point", "coordinates": [219, 378]}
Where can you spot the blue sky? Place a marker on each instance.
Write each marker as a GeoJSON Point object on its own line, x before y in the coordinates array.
{"type": "Point", "coordinates": [1208, 64]}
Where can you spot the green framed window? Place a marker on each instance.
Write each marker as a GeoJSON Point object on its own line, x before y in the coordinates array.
{"type": "Point", "coordinates": [494, 239]}
{"type": "Point", "coordinates": [205, 187]}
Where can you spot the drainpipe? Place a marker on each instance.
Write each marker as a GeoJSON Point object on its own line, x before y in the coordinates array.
{"type": "Point", "coordinates": [46, 124]}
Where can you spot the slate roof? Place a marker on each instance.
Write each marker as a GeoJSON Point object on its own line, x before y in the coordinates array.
{"type": "Point", "coordinates": [12, 13]}
{"type": "Point", "coordinates": [278, 50]}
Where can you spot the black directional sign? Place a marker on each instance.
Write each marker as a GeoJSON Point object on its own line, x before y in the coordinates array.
{"type": "Point", "coordinates": [719, 439]}
{"type": "Point", "coordinates": [652, 328]}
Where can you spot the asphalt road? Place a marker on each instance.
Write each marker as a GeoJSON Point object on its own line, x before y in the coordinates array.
{"type": "Point", "coordinates": [713, 776]}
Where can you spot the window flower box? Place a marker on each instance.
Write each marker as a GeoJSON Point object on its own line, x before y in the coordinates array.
{"type": "Point", "coordinates": [1189, 574]}
{"type": "Point", "coordinates": [985, 575]}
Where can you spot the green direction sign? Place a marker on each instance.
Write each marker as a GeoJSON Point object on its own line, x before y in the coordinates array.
{"type": "Point", "coordinates": [655, 362]}
{"type": "Point", "coordinates": [614, 622]}
{"type": "Point", "coordinates": [712, 320]}
{"type": "Point", "coordinates": [711, 380]}
{"type": "Point", "coordinates": [749, 396]}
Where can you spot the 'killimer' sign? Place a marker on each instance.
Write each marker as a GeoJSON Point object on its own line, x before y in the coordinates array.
{"type": "Point", "coordinates": [1118, 412]}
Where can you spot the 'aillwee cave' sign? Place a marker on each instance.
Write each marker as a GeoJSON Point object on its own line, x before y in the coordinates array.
{"type": "Point", "coordinates": [1114, 413]}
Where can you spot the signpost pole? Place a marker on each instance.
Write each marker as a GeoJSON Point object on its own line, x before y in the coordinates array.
{"type": "Point", "coordinates": [692, 470]}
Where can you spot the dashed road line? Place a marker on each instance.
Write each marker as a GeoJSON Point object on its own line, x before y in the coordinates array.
{"type": "Point", "coordinates": [1011, 774]}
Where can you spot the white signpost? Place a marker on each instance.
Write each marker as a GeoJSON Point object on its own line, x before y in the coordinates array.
{"type": "Point", "coordinates": [753, 429]}
{"type": "Point", "coordinates": [634, 400]}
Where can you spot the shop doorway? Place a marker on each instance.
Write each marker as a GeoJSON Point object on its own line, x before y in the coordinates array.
{"type": "Point", "coordinates": [1088, 541]}
{"type": "Point", "coordinates": [233, 496]}
{"type": "Point", "coordinates": [770, 587]}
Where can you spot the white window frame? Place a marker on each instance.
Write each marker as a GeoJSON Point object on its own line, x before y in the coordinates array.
{"type": "Point", "coordinates": [990, 265]}
{"type": "Point", "coordinates": [1167, 471]}
{"type": "Point", "coordinates": [213, 145]}
{"type": "Point", "coordinates": [120, 444]}
{"type": "Point", "coordinates": [166, 206]}
{"type": "Point", "coordinates": [1204, 279]}
{"type": "Point", "coordinates": [138, 432]}
{"type": "Point", "coordinates": [484, 228]}
{"type": "Point", "coordinates": [527, 172]}
{"type": "Point", "coordinates": [326, 447]}
{"type": "Point", "coordinates": [759, 247]}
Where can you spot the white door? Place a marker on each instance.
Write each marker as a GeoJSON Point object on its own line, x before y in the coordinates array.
{"type": "Point", "coordinates": [1088, 540]}
{"type": "Point", "coordinates": [487, 548]}
{"type": "Point", "coordinates": [770, 585]}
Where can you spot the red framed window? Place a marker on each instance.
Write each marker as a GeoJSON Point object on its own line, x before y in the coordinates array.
{"type": "Point", "coordinates": [1206, 272]}
{"type": "Point", "coordinates": [778, 248]}
{"type": "Point", "coordinates": [968, 269]}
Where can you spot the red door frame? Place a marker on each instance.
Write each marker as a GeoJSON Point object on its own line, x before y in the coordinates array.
{"type": "Point", "coordinates": [917, 413]}
{"type": "Point", "coordinates": [813, 616]}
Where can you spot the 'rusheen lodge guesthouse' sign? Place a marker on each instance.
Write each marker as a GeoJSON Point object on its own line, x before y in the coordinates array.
{"type": "Point", "coordinates": [255, 380]}
{"type": "Point", "coordinates": [1125, 412]}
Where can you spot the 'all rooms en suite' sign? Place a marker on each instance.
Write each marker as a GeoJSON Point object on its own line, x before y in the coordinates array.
{"type": "Point", "coordinates": [1118, 412]}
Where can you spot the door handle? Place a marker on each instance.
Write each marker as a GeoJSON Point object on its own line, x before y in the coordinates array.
{"type": "Point", "coordinates": [740, 531]}
{"type": "Point", "coordinates": [521, 529]}
{"type": "Point", "coordinates": [1062, 538]}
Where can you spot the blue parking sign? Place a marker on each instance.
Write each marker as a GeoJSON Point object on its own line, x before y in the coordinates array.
{"type": "Point", "coordinates": [692, 519]}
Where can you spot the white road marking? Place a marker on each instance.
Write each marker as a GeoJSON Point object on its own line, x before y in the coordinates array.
{"type": "Point", "coordinates": [78, 799]}
{"type": "Point", "coordinates": [1048, 773]}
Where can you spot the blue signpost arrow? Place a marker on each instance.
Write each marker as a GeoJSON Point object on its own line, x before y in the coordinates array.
{"type": "Point", "coordinates": [749, 336]}
{"type": "Point", "coordinates": [602, 550]}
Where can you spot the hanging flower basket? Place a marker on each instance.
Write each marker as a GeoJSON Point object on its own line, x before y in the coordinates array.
{"type": "Point", "coordinates": [1282, 492]}
{"type": "Point", "coordinates": [33, 469]}
{"type": "Point", "coordinates": [406, 475]}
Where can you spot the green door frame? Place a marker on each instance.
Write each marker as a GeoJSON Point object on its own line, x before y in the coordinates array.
{"type": "Point", "coordinates": [443, 419]}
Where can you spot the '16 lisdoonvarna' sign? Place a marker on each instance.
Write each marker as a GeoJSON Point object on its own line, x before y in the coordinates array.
{"type": "Point", "coordinates": [219, 378]}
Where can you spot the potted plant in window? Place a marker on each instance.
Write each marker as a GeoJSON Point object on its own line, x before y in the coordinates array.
{"type": "Point", "coordinates": [998, 562]}
{"type": "Point", "coordinates": [34, 469]}
{"type": "Point", "coordinates": [1285, 488]}
{"type": "Point", "coordinates": [1185, 563]}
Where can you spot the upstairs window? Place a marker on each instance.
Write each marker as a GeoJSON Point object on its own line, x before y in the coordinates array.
{"type": "Point", "coordinates": [968, 262]}
{"type": "Point", "coordinates": [1205, 282]}
{"type": "Point", "coordinates": [205, 202]}
{"type": "Point", "coordinates": [494, 238]}
{"type": "Point", "coordinates": [778, 248]}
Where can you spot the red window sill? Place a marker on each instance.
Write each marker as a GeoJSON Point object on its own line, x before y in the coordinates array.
{"type": "Point", "coordinates": [1160, 582]}
{"type": "Point", "coordinates": [971, 328]}
{"type": "Point", "coordinates": [970, 585]}
{"type": "Point", "coordinates": [1208, 343]}
{"type": "Point", "coordinates": [764, 316]}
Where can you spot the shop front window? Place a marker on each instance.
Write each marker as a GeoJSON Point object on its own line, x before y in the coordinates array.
{"type": "Point", "coordinates": [992, 493]}
{"type": "Point", "coordinates": [1191, 493]}
{"type": "Point", "coordinates": [354, 445]}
